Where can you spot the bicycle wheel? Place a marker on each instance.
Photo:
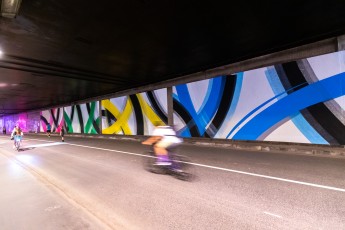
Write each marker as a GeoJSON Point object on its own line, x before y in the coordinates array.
{"type": "Point", "coordinates": [149, 164]}
{"type": "Point", "coordinates": [17, 144]}
{"type": "Point", "coordinates": [182, 167]}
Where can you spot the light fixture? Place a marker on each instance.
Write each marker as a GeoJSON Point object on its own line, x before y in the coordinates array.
{"type": "Point", "coordinates": [10, 8]}
{"type": "Point", "coordinates": [1, 53]}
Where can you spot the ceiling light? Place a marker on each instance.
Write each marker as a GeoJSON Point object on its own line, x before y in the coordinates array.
{"type": "Point", "coordinates": [10, 8]}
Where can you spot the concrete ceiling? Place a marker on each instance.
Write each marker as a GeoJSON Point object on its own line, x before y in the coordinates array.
{"type": "Point", "coordinates": [60, 51]}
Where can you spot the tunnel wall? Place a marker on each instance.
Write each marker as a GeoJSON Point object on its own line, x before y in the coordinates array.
{"type": "Point", "coordinates": [54, 117]}
{"type": "Point", "coordinates": [126, 115]}
{"type": "Point", "coordinates": [134, 114]}
{"type": "Point", "coordinates": [300, 101]}
{"type": "Point", "coordinates": [81, 118]}
{"type": "Point", "coordinates": [29, 122]}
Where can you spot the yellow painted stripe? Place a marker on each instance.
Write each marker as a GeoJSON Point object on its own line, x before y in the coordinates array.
{"type": "Point", "coordinates": [121, 118]}
{"type": "Point", "coordinates": [147, 110]}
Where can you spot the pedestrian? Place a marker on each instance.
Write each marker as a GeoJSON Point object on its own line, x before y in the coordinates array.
{"type": "Point", "coordinates": [62, 134]}
{"type": "Point", "coordinates": [49, 129]}
{"type": "Point", "coordinates": [4, 130]}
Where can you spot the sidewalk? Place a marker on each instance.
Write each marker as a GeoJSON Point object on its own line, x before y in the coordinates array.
{"type": "Point", "coordinates": [264, 146]}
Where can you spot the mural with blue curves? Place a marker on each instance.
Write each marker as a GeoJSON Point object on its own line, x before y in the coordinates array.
{"type": "Point", "coordinates": [205, 121]}
{"type": "Point", "coordinates": [300, 101]}
{"type": "Point", "coordinates": [293, 103]}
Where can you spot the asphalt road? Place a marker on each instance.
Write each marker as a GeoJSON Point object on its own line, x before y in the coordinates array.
{"type": "Point", "coordinates": [91, 183]}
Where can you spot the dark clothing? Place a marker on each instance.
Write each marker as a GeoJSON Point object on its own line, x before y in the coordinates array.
{"type": "Point", "coordinates": [48, 129]}
{"type": "Point", "coordinates": [62, 132]}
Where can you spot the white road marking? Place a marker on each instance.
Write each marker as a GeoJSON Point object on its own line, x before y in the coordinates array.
{"type": "Point", "coordinates": [49, 209]}
{"type": "Point", "coordinates": [45, 145]}
{"type": "Point", "coordinates": [271, 214]}
{"type": "Point", "coordinates": [219, 168]}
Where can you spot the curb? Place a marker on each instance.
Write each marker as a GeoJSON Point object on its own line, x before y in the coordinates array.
{"type": "Point", "coordinates": [261, 146]}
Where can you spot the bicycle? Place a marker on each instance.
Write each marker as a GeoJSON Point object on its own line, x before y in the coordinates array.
{"type": "Point", "coordinates": [180, 167]}
{"type": "Point", "coordinates": [17, 141]}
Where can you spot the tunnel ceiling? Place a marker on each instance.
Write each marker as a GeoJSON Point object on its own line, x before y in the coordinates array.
{"type": "Point", "coordinates": [60, 51]}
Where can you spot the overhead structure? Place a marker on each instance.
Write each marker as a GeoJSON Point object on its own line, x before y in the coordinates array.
{"type": "Point", "coordinates": [58, 52]}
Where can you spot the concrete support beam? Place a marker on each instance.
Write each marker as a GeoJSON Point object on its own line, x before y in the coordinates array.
{"type": "Point", "coordinates": [341, 47]}
{"type": "Point", "coordinates": [100, 115]}
{"type": "Point", "coordinates": [170, 106]}
{"type": "Point", "coordinates": [341, 42]}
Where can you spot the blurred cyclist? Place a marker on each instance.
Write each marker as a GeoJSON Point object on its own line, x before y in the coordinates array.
{"type": "Point", "coordinates": [163, 137]}
{"type": "Point", "coordinates": [16, 131]}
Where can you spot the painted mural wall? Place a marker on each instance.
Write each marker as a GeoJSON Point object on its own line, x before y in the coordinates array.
{"type": "Point", "coordinates": [33, 122]}
{"type": "Point", "coordinates": [82, 118]}
{"type": "Point", "coordinates": [54, 117]}
{"type": "Point", "coordinates": [28, 122]}
{"type": "Point", "coordinates": [134, 114]}
{"type": "Point", "coordinates": [12, 120]}
{"type": "Point", "coordinates": [301, 101]}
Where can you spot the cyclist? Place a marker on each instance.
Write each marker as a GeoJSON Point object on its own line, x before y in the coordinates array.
{"type": "Point", "coordinates": [163, 137]}
{"type": "Point", "coordinates": [16, 131]}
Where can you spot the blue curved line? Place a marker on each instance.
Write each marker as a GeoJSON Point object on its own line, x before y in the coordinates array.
{"type": "Point", "coordinates": [210, 105]}
{"type": "Point", "coordinates": [259, 107]}
{"type": "Point", "coordinates": [182, 95]}
{"type": "Point", "coordinates": [274, 81]}
{"type": "Point", "coordinates": [236, 96]}
{"type": "Point", "coordinates": [184, 132]}
{"type": "Point", "coordinates": [307, 130]}
{"type": "Point", "coordinates": [300, 122]}
{"type": "Point", "coordinates": [317, 92]}
{"type": "Point", "coordinates": [185, 98]}
{"type": "Point", "coordinates": [186, 101]}
{"type": "Point", "coordinates": [175, 96]}
{"type": "Point", "coordinates": [208, 93]}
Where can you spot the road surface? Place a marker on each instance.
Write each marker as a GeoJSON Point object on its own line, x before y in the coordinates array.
{"type": "Point", "coordinates": [92, 183]}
